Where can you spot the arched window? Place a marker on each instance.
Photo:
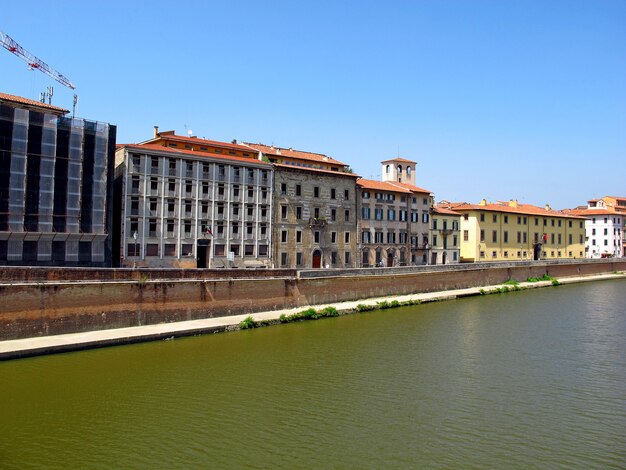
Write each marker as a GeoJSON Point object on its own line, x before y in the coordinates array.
{"type": "Point", "coordinates": [388, 169]}
{"type": "Point", "coordinates": [408, 171]}
{"type": "Point", "coordinates": [399, 169]}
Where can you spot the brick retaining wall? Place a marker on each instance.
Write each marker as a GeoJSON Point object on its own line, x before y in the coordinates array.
{"type": "Point", "coordinates": [75, 305]}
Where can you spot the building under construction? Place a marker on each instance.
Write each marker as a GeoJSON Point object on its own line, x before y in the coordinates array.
{"type": "Point", "coordinates": [56, 186]}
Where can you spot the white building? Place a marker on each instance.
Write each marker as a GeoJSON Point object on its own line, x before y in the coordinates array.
{"type": "Point", "coordinates": [603, 232]}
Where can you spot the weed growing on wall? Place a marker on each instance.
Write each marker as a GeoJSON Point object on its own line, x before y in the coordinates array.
{"type": "Point", "coordinates": [248, 322]}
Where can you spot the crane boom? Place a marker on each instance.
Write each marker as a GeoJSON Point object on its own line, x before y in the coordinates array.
{"type": "Point", "coordinates": [33, 62]}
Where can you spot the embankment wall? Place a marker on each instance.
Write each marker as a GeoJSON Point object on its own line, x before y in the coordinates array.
{"type": "Point", "coordinates": [31, 306]}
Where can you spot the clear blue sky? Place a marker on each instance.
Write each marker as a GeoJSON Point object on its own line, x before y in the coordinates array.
{"type": "Point", "coordinates": [498, 99]}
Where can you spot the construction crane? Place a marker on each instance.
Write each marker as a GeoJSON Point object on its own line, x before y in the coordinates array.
{"type": "Point", "coordinates": [33, 62]}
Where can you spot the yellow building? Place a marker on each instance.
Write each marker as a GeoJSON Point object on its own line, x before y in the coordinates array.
{"type": "Point", "coordinates": [509, 231]}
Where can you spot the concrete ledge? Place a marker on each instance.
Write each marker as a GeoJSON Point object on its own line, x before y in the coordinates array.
{"type": "Point", "coordinates": [28, 347]}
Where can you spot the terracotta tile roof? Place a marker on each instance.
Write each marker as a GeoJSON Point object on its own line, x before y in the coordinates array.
{"type": "Point", "coordinates": [410, 187]}
{"type": "Point", "coordinates": [197, 141]}
{"type": "Point", "coordinates": [443, 210]}
{"type": "Point", "coordinates": [525, 209]}
{"type": "Point", "coordinates": [25, 102]}
{"type": "Point", "coordinates": [317, 170]}
{"type": "Point", "coordinates": [147, 148]}
{"type": "Point", "coordinates": [297, 154]}
{"type": "Point", "coordinates": [399, 160]}
{"type": "Point", "coordinates": [382, 186]}
{"type": "Point", "coordinates": [589, 212]}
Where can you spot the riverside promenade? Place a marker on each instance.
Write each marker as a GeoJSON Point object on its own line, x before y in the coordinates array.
{"type": "Point", "coordinates": [41, 345]}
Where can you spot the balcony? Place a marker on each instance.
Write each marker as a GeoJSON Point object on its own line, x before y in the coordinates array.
{"type": "Point", "coordinates": [317, 222]}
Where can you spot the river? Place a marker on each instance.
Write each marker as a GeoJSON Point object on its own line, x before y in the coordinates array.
{"type": "Point", "coordinates": [531, 379]}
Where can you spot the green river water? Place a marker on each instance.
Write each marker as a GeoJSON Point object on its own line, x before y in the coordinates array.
{"type": "Point", "coordinates": [531, 379]}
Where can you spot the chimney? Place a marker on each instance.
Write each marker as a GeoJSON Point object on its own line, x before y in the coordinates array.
{"type": "Point", "coordinates": [483, 202]}
{"type": "Point", "coordinates": [513, 203]}
{"type": "Point", "coordinates": [548, 208]}
{"type": "Point", "coordinates": [234, 141]}
{"type": "Point", "coordinates": [156, 131]}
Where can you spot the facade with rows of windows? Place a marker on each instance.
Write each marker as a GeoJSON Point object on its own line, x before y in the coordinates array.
{"type": "Point", "coordinates": [509, 231]}
{"type": "Point", "coordinates": [56, 186]}
{"type": "Point", "coordinates": [605, 227]}
{"type": "Point", "coordinates": [394, 217]}
{"type": "Point", "coordinates": [315, 215]}
{"type": "Point", "coordinates": [194, 203]}
{"type": "Point", "coordinates": [444, 236]}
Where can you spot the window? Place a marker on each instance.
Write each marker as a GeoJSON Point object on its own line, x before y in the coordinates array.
{"type": "Point", "coordinates": [316, 191]}
{"type": "Point", "coordinates": [346, 257]}
{"type": "Point", "coordinates": [346, 194]}
{"type": "Point", "coordinates": [506, 236]}
{"type": "Point", "coordinates": [365, 195]}
{"type": "Point", "coordinates": [494, 236]}
{"type": "Point", "coordinates": [425, 217]}
{"type": "Point", "coordinates": [283, 212]}
{"type": "Point", "coordinates": [391, 214]}
{"type": "Point", "coordinates": [333, 214]}
{"type": "Point", "coordinates": [333, 193]}
{"type": "Point", "coordinates": [316, 213]}
{"type": "Point", "coordinates": [494, 254]}
{"type": "Point", "coordinates": [482, 217]}
{"type": "Point", "coordinates": [316, 236]}
{"type": "Point", "coordinates": [465, 235]}
{"type": "Point", "coordinates": [284, 259]}
{"type": "Point", "coordinates": [347, 215]}
{"type": "Point", "coordinates": [299, 191]}
{"type": "Point", "coordinates": [434, 240]}
{"type": "Point", "coordinates": [298, 236]}
{"type": "Point", "coordinates": [506, 219]}
{"type": "Point", "coordinates": [365, 213]}
{"type": "Point", "coordinates": [333, 237]}
{"type": "Point", "coordinates": [346, 237]}
{"type": "Point", "coordinates": [299, 259]}
{"type": "Point", "coordinates": [134, 185]}
{"type": "Point", "coordinates": [378, 213]}
{"type": "Point", "coordinates": [283, 236]}
{"type": "Point", "coordinates": [495, 218]}
{"type": "Point", "coordinates": [283, 189]}
{"type": "Point", "coordinates": [299, 213]}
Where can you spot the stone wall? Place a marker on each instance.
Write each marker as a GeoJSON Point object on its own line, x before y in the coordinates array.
{"type": "Point", "coordinates": [48, 308]}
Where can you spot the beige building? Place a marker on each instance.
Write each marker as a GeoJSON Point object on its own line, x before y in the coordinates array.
{"type": "Point", "coordinates": [444, 236]}
{"type": "Point", "coordinates": [394, 217]}
{"type": "Point", "coordinates": [315, 215]}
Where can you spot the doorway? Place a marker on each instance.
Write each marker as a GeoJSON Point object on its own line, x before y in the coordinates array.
{"type": "Point", "coordinates": [317, 259]}
{"type": "Point", "coordinates": [389, 260]}
{"type": "Point", "coordinates": [203, 254]}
